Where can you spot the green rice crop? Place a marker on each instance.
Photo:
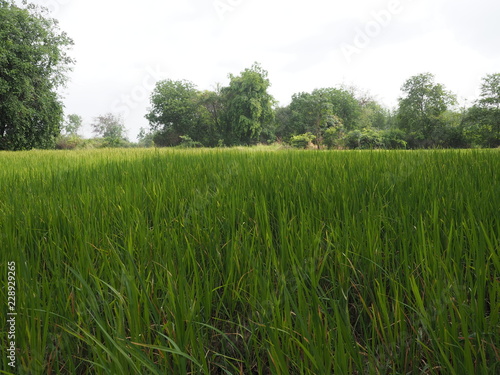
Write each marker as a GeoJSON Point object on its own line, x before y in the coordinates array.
{"type": "Point", "coordinates": [253, 262]}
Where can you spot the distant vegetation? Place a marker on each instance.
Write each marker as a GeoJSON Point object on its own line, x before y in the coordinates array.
{"type": "Point", "coordinates": [35, 63]}
{"type": "Point", "coordinates": [427, 116]}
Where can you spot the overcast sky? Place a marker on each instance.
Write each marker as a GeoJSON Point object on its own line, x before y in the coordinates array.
{"type": "Point", "coordinates": [123, 47]}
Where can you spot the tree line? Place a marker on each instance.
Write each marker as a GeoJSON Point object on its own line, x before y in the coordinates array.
{"type": "Point", "coordinates": [244, 113]}
{"type": "Point", "coordinates": [34, 64]}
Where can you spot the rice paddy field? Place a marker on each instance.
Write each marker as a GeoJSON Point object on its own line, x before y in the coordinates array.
{"type": "Point", "coordinates": [252, 262]}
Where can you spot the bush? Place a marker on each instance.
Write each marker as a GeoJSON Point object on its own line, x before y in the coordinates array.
{"type": "Point", "coordinates": [187, 142]}
{"type": "Point", "coordinates": [69, 142]}
{"type": "Point", "coordinates": [364, 139]}
{"type": "Point", "coordinates": [302, 140]}
{"type": "Point", "coordinates": [394, 139]}
{"type": "Point", "coordinates": [332, 136]}
{"type": "Point", "coordinates": [166, 138]}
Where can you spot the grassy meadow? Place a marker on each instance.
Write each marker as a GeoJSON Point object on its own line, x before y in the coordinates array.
{"type": "Point", "coordinates": [252, 262]}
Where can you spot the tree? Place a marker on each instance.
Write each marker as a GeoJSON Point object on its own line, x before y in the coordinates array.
{"type": "Point", "coordinates": [283, 117]}
{"type": "Point", "coordinates": [316, 112]}
{"type": "Point", "coordinates": [178, 110]}
{"type": "Point", "coordinates": [364, 139]}
{"type": "Point", "coordinates": [210, 114]}
{"type": "Point", "coordinates": [393, 139]}
{"type": "Point", "coordinates": [72, 124]}
{"type": "Point", "coordinates": [33, 65]}
{"type": "Point", "coordinates": [421, 109]}
{"type": "Point", "coordinates": [248, 107]}
{"type": "Point", "coordinates": [344, 105]}
{"type": "Point", "coordinates": [482, 120]}
{"type": "Point", "coordinates": [490, 92]}
{"type": "Point", "coordinates": [69, 138]}
{"type": "Point", "coordinates": [373, 115]}
{"type": "Point", "coordinates": [332, 136]}
{"type": "Point", "coordinates": [302, 140]}
{"type": "Point", "coordinates": [312, 113]}
{"type": "Point", "coordinates": [145, 138]}
{"type": "Point", "coordinates": [111, 128]}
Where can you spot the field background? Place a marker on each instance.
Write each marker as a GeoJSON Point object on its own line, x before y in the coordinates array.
{"type": "Point", "coordinates": [253, 262]}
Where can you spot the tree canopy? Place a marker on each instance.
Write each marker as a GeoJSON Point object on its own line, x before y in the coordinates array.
{"type": "Point", "coordinates": [244, 113]}
{"type": "Point", "coordinates": [233, 115]}
{"type": "Point", "coordinates": [34, 62]}
{"type": "Point", "coordinates": [248, 106]}
{"type": "Point", "coordinates": [422, 105]}
{"type": "Point", "coordinates": [482, 120]}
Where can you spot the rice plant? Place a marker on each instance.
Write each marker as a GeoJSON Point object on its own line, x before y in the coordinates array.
{"type": "Point", "coordinates": [253, 262]}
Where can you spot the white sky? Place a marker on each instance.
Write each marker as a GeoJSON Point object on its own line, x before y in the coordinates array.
{"type": "Point", "coordinates": [123, 47]}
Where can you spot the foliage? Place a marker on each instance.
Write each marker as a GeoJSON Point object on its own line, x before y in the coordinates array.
{"type": "Point", "coordinates": [373, 115]}
{"type": "Point", "coordinates": [343, 105]}
{"type": "Point", "coordinates": [111, 128]}
{"type": "Point", "coordinates": [69, 138]}
{"type": "Point", "coordinates": [317, 111]}
{"type": "Point", "coordinates": [175, 110]}
{"type": "Point", "coordinates": [393, 139]}
{"type": "Point", "coordinates": [248, 107]}
{"type": "Point", "coordinates": [211, 114]}
{"type": "Point", "coordinates": [33, 65]}
{"type": "Point", "coordinates": [364, 139]}
{"type": "Point", "coordinates": [187, 142]}
{"type": "Point", "coordinates": [482, 121]}
{"type": "Point", "coordinates": [145, 138]}
{"type": "Point", "coordinates": [490, 92]}
{"type": "Point", "coordinates": [302, 140]}
{"type": "Point", "coordinates": [72, 124]}
{"type": "Point", "coordinates": [243, 114]}
{"type": "Point", "coordinates": [69, 142]}
{"type": "Point", "coordinates": [481, 127]}
{"type": "Point", "coordinates": [332, 136]}
{"type": "Point", "coordinates": [166, 138]}
{"type": "Point", "coordinates": [312, 113]}
{"type": "Point", "coordinates": [421, 108]}
{"type": "Point", "coordinates": [284, 125]}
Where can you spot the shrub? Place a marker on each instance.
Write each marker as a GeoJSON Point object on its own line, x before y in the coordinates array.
{"type": "Point", "coordinates": [364, 139]}
{"type": "Point", "coordinates": [332, 137]}
{"type": "Point", "coordinates": [394, 139]}
{"type": "Point", "coordinates": [69, 142]}
{"type": "Point", "coordinates": [187, 142]}
{"type": "Point", "coordinates": [302, 140]}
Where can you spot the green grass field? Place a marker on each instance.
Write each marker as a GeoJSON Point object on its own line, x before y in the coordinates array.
{"type": "Point", "coordinates": [252, 262]}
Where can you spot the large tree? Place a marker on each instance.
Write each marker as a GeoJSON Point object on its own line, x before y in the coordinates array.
{"type": "Point", "coordinates": [248, 107]}
{"type": "Point", "coordinates": [344, 105]}
{"type": "Point", "coordinates": [482, 120]}
{"type": "Point", "coordinates": [421, 109]}
{"type": "Point", "coordinates": [312, 113]}
{"type": "Point", "coordinates": [326, 109]}
{"type": "Point", "coordinates": [33, 65]}
{"type": "Point", "coordinates": [179, 109]}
